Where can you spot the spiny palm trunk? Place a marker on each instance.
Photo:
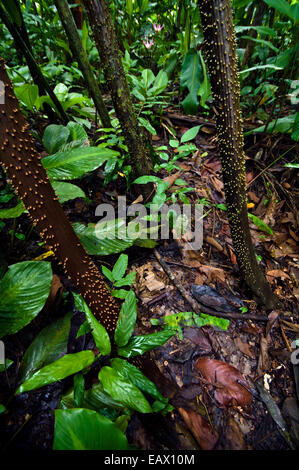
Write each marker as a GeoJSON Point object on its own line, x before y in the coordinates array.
{"type": "Point", "coordinates": [80, 55]}
{"type": "Point", "coordinates": [105, 38]}
{"type": "Point", "coordinates": [29, 179]}
{"type": "Point", "coordinates": [220, 51]}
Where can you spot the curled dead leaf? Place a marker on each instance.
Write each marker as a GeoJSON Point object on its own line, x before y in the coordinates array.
{"type": "Point", "coordinates": [231, 388]}
{"type": "Point", "coordinates": [201, 429]}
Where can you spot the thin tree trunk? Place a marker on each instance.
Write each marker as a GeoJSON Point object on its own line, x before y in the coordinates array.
{"type": "Point", "coordinates": [34, 68]}
{"type": "Point", "coordinates": [220, 49]}
{"type": "Point", "coordinates": [29, 179]}
{"type": "Point", "coordinates": [104, 34]}
{"type": "Point", "coordinates": [80, 55]}
{"type": "Point", "coordinates": [257, 20]}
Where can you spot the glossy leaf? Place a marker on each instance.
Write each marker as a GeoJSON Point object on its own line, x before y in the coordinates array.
{"type": "Point", "coordinates": [140, 344]}
{"type": "Point", "coordinates": [4, 367]}
{"type": "Point", "coordinates": [47, 346]}
{"type": "Point", "coordinates": [81, 429]}
{"type": "Point", "coordinates": [64, 367]}
{"type": "Point", "coordinates": [134, 375]}
{"type": "Point", "coordinates": [190, 134]}
{"type": "Point", "coordinates": [76, 162]}
{"type": "Point", "coordinates": [67, 191]}
{"type": "Point", "coordinates": [127, 319]}
{"type": "Point", "coordinates": [13, 212]}
{"type": "Point", "coordinates": [24, 290]}
{"type": "Point", "coordinates": [190, 78]}
{"type": "Point", "coordinates": [54, 137]}
{"type": "Point", "coordinates": [100, 335]}
{"type": "Point", "coordinates": [98, 241]}
{"type": "Point", "coordinates": [120, 267]}
{"type": "Point", "coordinates": [260, 224]}
{"type": "Point", "coordinates": [124, 391]}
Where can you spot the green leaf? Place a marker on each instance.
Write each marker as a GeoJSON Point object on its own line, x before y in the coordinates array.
{"type": "Point", "coordinates": [100, 335]}
{"type": "Point", "coordinates": [260, 29]}
{"type": "Point", "coordinates": [2, 408]}
{"type": "Point", "coordinates": [134, 375]}
{"type": "Point", "coordinates": [160, 83]}
{"type": "Point", "coordinates": [285, 8]}
{"type": "Point", "coordinates": [147, 179]}
{"type": "Point", "coordinates": [148, 77]}
{"type": "Point", "coordinates": [120, 267]}
{"type": "Point", "coordinates": [107, 273]}
{"type": "Point", "coordinates": [64, 367]}
{"type": "Point", "coordinates": [101, 239]}
{"type": "Point", "coordinates": [190, 78]}
{"type": "Point", "coordinates": [125, 392]}
{"type": "Point", "coordinates": [260, 67]}
{"type": "Point", "coordinates": [81, 429]}
{"type": "Point", "coordinates": [282, 125]}
{"type": "Point", "coordinates": [77, 132]}
{"type": "Point", "coordinates": [79, 385]}
{"type": "Point", "coordinates": [4, 367]}
{"type": "Point", "coordinates": [140, 344]}
{"type": "Point", "coordinates": [260, 224]}
{"type": "Point", "coordinates": [47, 346]}
{"type": "Point", "coordinates": [13, 212]}
{"type": "Point", "coordinates": [28, 95]}
{"type": "Point", "coordinates": [24, 290]}
{"type": "Point", "coordinates": [147, 125]}
{"type": "Point", "coordinates": [55, 136]}
{"type": "Point", "coordinates": [213, 321]}
{"type": "Point", "coordinates": [127, 319]}
{"type": "Point", "coordinates": [190, 134]}
{"type": "Point", "coordinates": [76, 162]}
{"type": "Point", "coordinates": [67, 191]}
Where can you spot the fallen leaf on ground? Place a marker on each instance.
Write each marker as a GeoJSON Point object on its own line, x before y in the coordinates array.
{"type": "Point", "coordinates": [227, 381]}
{"type": "Point", "coordinates": [201, 429]}
{"type": "Point", "coordinates": [244, 347]}
{"type": "Point", "coordinates": [276, 273]}
{"type": "Point", "coordinates": [213, 274]}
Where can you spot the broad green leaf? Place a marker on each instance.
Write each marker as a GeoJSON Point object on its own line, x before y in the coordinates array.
{"type": "Point", "coordinates": [27, 94]}
{"type": "Point", "coordinates": [64, 367]}
{"type": "Point", "coordinates": [284, 7]}
{"type": "Point", "coordinates": [205, 88]}
{"type": "Point", "coordinates": [120, 267]}
{"type": "Point", "coordinates": [61, 91]}
{"type": "Point", "coordinates": [77, 132]}
{"type": "Point", "coordinates": [107, 273]}
{"type": "Point", "coordinates": [67, 191]}
{"type": "Point", "coordinates": [122, 390]}
{"type": "Point", "coordinates": [127, 319]}
{"type": "Point", "coordinates": [13, 212]}
{"type": "Point", "coordinates": [148, 77]}
{"type": "Point", "coordinates": [98, 241]}
{"type": "Point", "coordinates": [190, 134]}
{"type": "Point", "coordinates": [260, 224]}
{"type": "Point", "coordinates": [55, 136]}
{"type": "Point", "coordinates": [147, 179]}
{"type": "Point", "coordinates": [94, 398]}
{"type": "Point", "coordinates": [76, 162]}
{"type": "Point", "coordinates": [210, 320]}
{"type": "Point", "coordinates": [100, 335]}
{"type": "Point", "coordinates": [24, 290]}
{"type": "Point", "coordinates": [160, 83]}
{"type": "Point", "coordinates": [282, 125]}
{"type": "Point", "coordinates": [134, 375]}
{"type": "Point", "coordinates": [190, 78]}
{"type": "Point", "coordinates": [81, 429]}
{"type": "Point", "coordinates": [140, 344]}
{"type": "Point", "coordinates": [47, 347]}
{"type": "Point", "coordinates": [291, 165]}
